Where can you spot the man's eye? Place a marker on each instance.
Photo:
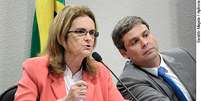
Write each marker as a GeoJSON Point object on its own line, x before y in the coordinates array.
{"type": "Point", "coordinates": [146, 33]}
{"type": "Point", "coordinates": [134, 42]}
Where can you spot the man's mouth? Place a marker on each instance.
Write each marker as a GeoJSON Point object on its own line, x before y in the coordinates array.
{"type": "Point", "coordinates": [148, 51]}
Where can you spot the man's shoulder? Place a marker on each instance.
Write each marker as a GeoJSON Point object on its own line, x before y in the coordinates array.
{"type": "Point", "coordinates": [177, 53]}
{"type": "Point", "coordinates": [173, 51]}
{"type": "Point", "coordinates": [132, 71]}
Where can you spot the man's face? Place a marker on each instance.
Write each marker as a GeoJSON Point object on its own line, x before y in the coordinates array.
{"type": "Point", "coordinates": [140, 45]}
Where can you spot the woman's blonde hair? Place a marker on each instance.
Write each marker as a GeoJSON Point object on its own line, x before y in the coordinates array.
{"type": "Point", "coordinates": [58, 34]}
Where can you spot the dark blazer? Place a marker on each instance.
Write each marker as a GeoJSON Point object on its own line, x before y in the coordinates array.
{"type": "Point", "coordinates": [147, 87]}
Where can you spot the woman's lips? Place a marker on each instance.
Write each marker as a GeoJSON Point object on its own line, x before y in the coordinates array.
{"type": "Point", "coordinates": [87, 47]}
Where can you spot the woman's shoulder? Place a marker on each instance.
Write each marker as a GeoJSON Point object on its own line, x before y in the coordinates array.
{"type": "Point", "coordinates": [37, 69]}
{"type": "Point", "coordinates": [36, 65]}
{"type": "Point", "coordinates": [36, 61]}
{"type": "Point", "coordinates": [102, 70]}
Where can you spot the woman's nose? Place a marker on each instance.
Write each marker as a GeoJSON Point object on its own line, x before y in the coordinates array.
{"type": "Point", "coordinates": [88, 37]}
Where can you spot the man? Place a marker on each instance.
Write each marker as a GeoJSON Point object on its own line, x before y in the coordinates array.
{"type": "Point", "coordinates": [135, 41]}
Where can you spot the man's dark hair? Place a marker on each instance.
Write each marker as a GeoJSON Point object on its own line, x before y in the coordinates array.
{"type": "Point", "coordinates": [123, 26]}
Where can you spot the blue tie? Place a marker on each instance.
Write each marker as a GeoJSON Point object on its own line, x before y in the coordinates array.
{"type": "Point", "coordinates": [162, 72]}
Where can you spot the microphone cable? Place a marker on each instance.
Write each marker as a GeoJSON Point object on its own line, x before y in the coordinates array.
{"type": "Point", "coordinates": [98, 58]}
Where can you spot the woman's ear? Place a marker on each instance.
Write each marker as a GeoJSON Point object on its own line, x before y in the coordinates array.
{"type": "Point", "coordinates": [63, 41]}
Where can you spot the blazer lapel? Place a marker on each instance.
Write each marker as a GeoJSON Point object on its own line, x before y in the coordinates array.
{"type": "Point", "coordinates": [59, 89]}
{"type": "Point", "coordinates": [58, 86]}
{"type": "Point", "coordinates": [90, 89]}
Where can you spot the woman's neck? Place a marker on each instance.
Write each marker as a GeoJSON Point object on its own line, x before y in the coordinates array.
{"type": "Point", "coordinates": [73, 62]}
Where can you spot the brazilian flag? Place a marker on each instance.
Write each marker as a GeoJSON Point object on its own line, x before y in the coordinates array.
{"type": "Point", "coordinates": [44, 15]}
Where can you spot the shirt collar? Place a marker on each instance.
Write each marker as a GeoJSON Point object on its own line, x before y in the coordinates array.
{"type": "Point", "coordinates": [76, 76]}
{"type": "Point", "coordinates": [154, 70]}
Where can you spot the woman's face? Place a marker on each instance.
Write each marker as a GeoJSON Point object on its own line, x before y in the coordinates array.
{"type": "Point", "coordinates": [81, 36]}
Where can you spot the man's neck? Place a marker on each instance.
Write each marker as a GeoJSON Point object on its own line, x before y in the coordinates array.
{"type": "Point", "coordinates": [155, 62]}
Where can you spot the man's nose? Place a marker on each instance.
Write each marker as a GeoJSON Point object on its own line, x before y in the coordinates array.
{"type": "Point", "coordinates": [144, 42]}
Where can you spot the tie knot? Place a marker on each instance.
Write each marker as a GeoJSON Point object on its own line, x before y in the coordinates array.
{"type": "Point", "coordinates": [161, 71]}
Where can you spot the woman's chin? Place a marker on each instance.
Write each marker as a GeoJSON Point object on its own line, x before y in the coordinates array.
{"type": "Point", "coordinates": [87, 53]}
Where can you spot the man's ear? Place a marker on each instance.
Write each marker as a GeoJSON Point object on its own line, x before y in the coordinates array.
{"type": "Point", "coordinates": [123, 53]}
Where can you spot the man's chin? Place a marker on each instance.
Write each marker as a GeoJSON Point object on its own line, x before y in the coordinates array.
{"type": "Point", "coordinates": [152, 55]}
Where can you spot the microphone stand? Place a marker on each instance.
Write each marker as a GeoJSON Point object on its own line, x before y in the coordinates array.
{"type": "Point", "coordinates": [133, 97]}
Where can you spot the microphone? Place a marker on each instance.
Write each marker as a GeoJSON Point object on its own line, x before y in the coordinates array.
{"type": "Point", "coordinates": [98, 58]}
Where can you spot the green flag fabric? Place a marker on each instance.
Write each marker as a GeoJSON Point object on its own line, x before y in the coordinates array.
{"type": "Point", "coordinates": [44, 15]}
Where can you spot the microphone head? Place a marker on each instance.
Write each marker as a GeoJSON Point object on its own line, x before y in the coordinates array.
{"type": "Point", "coordinates": [97, 57]}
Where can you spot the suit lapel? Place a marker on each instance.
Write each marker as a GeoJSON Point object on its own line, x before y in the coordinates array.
{"type": "Point", "coordinates": [179, 70]}
{"type": "Point", "coordinates": [58, 86]}
{"type": "Point", "coordinates": [176, 67]}
{"type": "Point", "coordinates": [90, 90]}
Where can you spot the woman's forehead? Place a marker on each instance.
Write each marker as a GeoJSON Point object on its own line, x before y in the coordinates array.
{"type": "Point", "coordinates": [83, 22]}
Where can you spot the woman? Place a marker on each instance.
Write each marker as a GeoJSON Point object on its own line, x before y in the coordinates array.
{"type": "Point", "coordinates": [68, 72]}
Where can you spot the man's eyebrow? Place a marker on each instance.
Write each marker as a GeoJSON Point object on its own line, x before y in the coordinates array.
{"type": "Point", "coordinates": [132, 39]}
{"type": "Point", "coordinates": [145, 31]}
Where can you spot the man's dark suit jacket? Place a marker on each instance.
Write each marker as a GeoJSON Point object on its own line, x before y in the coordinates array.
{"type": "Point", "coordinates": [148, 87]}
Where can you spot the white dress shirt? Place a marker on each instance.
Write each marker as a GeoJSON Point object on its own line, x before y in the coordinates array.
{"type": "Point", "coordinates": [71, 79]}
